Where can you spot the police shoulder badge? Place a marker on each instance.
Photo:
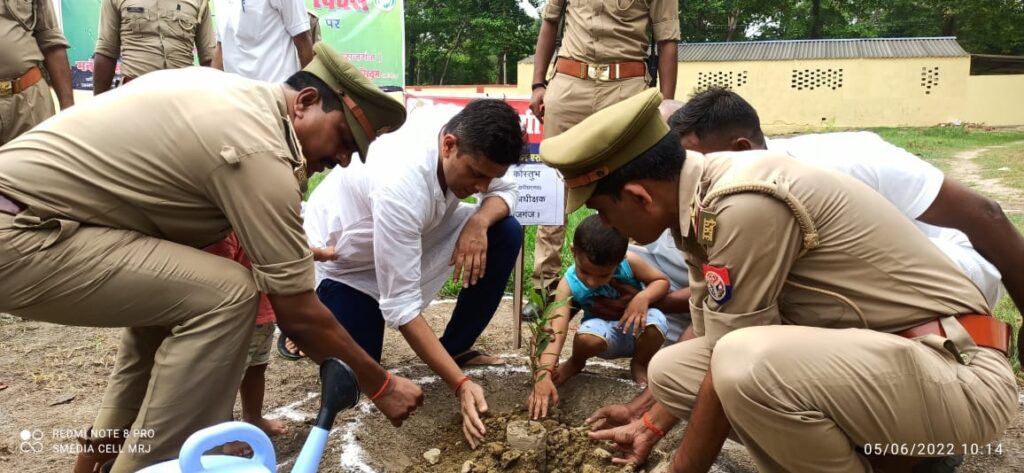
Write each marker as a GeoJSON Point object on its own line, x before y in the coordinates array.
{"type": "Point", "coordinates": [719, 287]}
{"type": "Point", "coordinates": [706, 223]}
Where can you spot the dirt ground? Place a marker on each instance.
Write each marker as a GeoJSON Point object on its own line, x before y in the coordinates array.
{"type": "Point", "coordinates": [52, 379]}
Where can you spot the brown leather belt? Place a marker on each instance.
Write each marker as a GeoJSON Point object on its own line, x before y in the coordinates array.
{"type": "Point", "coordinates": [8, 206]}
{"type": "Point", "coordinates": [19, 85]}
{"type": "Point", "coordinates": [600, 72]}
{"type": "Point", "coordinates": [985, 330]}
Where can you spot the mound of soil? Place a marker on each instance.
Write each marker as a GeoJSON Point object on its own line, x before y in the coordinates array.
{"type": "Point", "coordinates": [566, 449]}
{"type": "Point", "coordinates": [438, 426]}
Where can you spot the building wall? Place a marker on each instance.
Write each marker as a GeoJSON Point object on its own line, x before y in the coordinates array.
{"type": "Point", "coordinates": [840, 93]}
{"type": "Point", "coordinates": [855, 93]}
{"type": "Point", "coordinates": [995, 100]}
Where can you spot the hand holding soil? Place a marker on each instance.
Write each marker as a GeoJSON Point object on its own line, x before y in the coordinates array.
{"type": "Point", "coordinates": [633, 442]}
{"type": "Point", "coordinates": [611, 416]}
{"type": "Point", "coordinates": [401, 398]}
{"type": "Point", "coordinates": [472, 406]}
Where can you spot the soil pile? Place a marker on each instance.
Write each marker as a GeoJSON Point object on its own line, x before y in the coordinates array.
{"type": "Point", "coordinates": [565, 449]}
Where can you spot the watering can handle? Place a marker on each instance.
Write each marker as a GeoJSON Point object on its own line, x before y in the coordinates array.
{"type": "Point", "coordinates": [203, 440]}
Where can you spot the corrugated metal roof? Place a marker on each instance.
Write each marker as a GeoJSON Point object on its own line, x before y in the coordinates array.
{"type": "Point", "coordinates": [821, 49]}
{"type": "Point", "coordinates": [817, 49]}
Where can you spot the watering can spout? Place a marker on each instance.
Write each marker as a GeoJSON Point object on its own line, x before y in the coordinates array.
{"type": "Point", "coordinates": [339, 391]}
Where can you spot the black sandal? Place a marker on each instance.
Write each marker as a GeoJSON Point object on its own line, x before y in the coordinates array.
{"type": "Point", "coordinates": [465, 358]}
{"type": "Point", "coordinates": [282, 350]}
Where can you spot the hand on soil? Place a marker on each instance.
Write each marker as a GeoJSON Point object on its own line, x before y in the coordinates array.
{"type": "Point", "coordinates": [543, 392]}
{"type": "Point", "coordinates": [403, 397]}
{"type": "Point", "coordinates": [473, 404]}
{"type": "Point", "coordinates": [633, 442]}
{"type": "Point", "coordinates": [610, 416]}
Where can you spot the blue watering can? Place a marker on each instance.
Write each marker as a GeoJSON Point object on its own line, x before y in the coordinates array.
{"type": "Point", "coordinates": [340, 391]}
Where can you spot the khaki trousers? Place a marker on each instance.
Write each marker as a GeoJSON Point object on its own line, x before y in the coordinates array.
{"type": "Point", "coordinates": [189, 318]}
{"type": "Point", "coordinates": [568, 101]}
{"type": "Point", "coordinates": [804, 398]}
{"type": "Point", "coordinates": [20, 112]}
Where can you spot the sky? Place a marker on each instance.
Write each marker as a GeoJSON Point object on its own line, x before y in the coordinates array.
{"type": "Point", "coordinates": [529, 9]}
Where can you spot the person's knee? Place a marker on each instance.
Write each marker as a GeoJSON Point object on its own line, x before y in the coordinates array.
{"type": "Point", "coordinates": [506, 232]}
{"type": "Point", "coordinates": [735, 363]}
{"type": "Point", "coordinates": [589, 344]}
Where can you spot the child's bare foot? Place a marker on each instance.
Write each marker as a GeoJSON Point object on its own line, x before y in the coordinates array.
{"type": "Point", "coordinates": [566, 370]}
{"type": "Point", "coordinates": [270, 427]}
{"type": "Point", "coordinates": [639, 372]}
{"type": "Point", "coordinates": [237, 449]}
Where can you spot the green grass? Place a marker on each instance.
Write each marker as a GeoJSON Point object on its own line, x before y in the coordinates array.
{"type": "Point", "coordinates": [938, 145]}
{"type": "Point", "coordinates": [1003, 164]}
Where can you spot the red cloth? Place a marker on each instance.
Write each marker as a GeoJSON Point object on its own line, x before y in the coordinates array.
{"type": "Point", "coordinates": [231, 249]}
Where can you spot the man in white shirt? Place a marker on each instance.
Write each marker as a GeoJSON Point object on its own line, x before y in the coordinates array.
{"type": "Point", "coordinates": [266, 40]}
{"type": "Point", "coordinates": [398, 226]}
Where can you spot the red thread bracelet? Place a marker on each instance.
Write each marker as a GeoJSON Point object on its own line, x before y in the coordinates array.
{"type": "Point", "coordinates": [650, 426]}
{"type": "Point", "coordinates": [383, 387]}
{"type": "Point", "coordinates": [459, 386]}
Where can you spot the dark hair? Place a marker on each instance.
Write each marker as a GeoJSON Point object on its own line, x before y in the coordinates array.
{"type": "Point", "coordinates": [602, 244]}
{"type": "Point", "coordinates": [328, 98]}
{"type": "Point", "coordinates": [662, 162]}
{"type": "Point", "coordinates": [718, 112]}
{"type": "Point", "coordinates": [489, 127]}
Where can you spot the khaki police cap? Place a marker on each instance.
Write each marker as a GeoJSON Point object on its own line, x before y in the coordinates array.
{"type": "Point", "coordinates": [604, 142]}
{"type": "Point", "coordinates": [368, 110]}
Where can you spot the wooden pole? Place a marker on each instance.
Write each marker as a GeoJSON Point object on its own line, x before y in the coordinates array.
{"type": "Point", "coordinates": [517, 297]}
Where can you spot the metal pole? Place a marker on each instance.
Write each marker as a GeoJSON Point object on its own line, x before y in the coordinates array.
{"type": "Point", "coordinates": [517, 297]}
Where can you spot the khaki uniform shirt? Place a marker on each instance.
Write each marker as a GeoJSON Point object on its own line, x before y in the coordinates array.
{"type": "Point", "coordinates": [613, 31]}
{"type": "Point", "coordinates": [184, 155]}
{"type": "Point", "coordinates": [150, 35]}
{"type": "Point", "coordinates": [27, 28]}
{"type": "Point", "coordinates": [814, 247]}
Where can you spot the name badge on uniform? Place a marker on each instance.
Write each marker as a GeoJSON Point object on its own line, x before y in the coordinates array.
{"type": "Point", "coordinates": [719, 287]}
{"type": "Point", "coordinates": [706, 223]}
{"type": "Point", "coordinates": [136, 9]}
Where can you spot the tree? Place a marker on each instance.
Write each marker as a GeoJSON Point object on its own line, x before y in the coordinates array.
{"type": "Point", "coordinates": [465, 41]}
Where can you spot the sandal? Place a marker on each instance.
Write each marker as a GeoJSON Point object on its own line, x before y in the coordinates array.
{"type": "Point", "coordinates": [463, 359]}
{"type": "Point", "coordinates": [283, 352]}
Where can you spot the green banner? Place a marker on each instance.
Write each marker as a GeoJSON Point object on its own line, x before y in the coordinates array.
{"type": "Point", "coordinates": [81, 19]}
{"type": "Point", "coordinates": [371, 33]}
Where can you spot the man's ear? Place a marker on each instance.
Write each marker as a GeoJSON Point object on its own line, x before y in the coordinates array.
{"type": "Point", "coordinates": [741, 144]}
{"type": "Point", "coordinates": [448, 142]}
{"type": "Point", "coordinates": [306, 99]}
{"type": "Point", "coordinates": [636, 192]}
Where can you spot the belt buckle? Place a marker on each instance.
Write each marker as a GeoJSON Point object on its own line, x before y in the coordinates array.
{"type": "Point", "coordinates": [6, 88]}
{"type": "Point", "coordinates": [598, 72]}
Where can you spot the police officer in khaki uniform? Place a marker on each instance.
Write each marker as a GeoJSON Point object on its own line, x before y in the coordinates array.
{"type": "Point", "coordinates": [151, 35]}
{"type": "Point", "coordinates": [825, 322]}
{"type": "Point", "coordinates": [30, 35]}
{"type": "Point", "coordinates": [104, 211]}
{"type": "Point", "coordinates": [600, 62]}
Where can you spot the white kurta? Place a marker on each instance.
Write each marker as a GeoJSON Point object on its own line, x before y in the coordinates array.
{"type": "Point", "coordinates": [391, 226]}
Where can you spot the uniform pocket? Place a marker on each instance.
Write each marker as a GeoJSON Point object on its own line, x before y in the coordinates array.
{"type": "Point", "coordinates": [137, 23]}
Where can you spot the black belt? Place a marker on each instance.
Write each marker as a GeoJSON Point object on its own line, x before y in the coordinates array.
{"type": "Point", "coordinates": [8, 206]}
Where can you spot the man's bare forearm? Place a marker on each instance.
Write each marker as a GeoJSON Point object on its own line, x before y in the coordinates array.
{"type": "Point", "coordinates": [544, 50]}
{"type": "Point", "coordinates": [56, 60]}
{"type": "Point", "coordinates": [668, 65]}
{"type": "Point", "coordinates": [705, 434]}
{"type": "Point", "coordinates": [314, 329]}
{"type": "Point", "coordinates": [103, 73]}
{"type": "Point", "coordinates": [491, 211]}
{"type": "Point", "coordinates": [427, 346]}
